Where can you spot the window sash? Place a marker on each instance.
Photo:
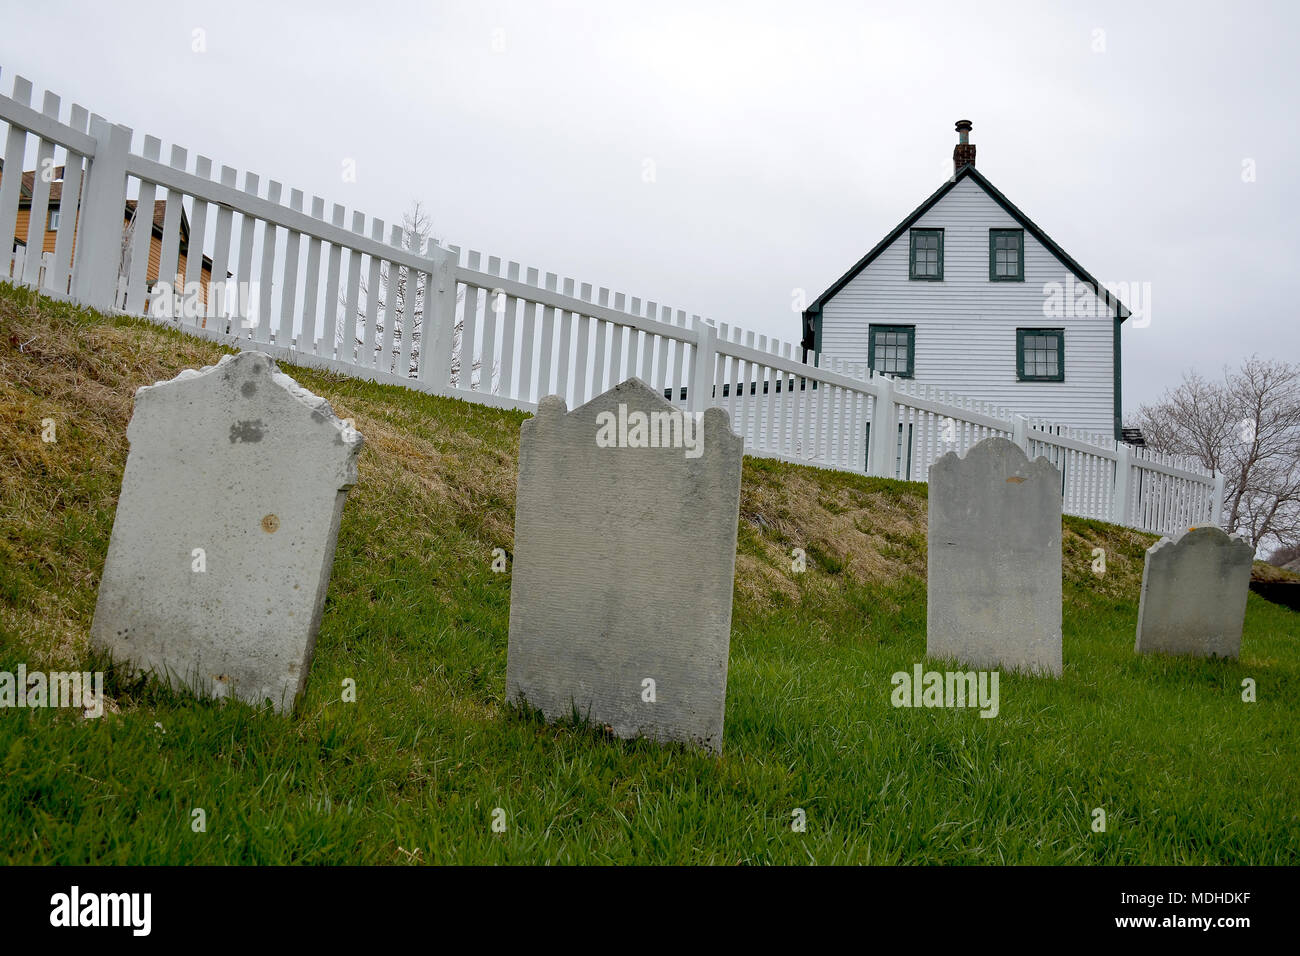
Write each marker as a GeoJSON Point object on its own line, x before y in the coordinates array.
{"type": "Point", "coordinates": [892, 349]}
{"type": "Point", "coordinates": [1006, 255]}
{"type": "Point", "coordinates": [925, 254]}
{"type": "Point", "coordinates": [1040, 355]}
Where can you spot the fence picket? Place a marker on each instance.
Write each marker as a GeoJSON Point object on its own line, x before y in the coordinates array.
{"type": "Point", "coordinates": [262, 332]}
{"type": "Point", "coordinates": [391, 280]}
{"type": "Point", "coordinates": [10, 184]}
{"type": "Point", "coordinates": [40, 196]}
{"type": "Point", "coordinates": [59, 276]}
{"type": "Point", "coordinates": [196, 294]}
{"type": "Point", "coordinates": [311, 285]}
{"type": "Point", "coordinates": [141, 229]}
{"type": "Point", "coordinates": [244, 268]}
{"type": "Point", "coordinates": [547, 346]}
{"type": "Point", "coordinates": [334, 278]}
{"type": "Point", "coordinates": [289, 281]}
{"type": "Point", "coordinates": [352, 300]}
{"type": "Point", "coordinates": [563, 380]}
{"type": "Point", "coordinates": [170, 249]}
{"type": "Point", "coordinates": [529, 338]}
{"type": "Point", "coordinates": [508, 334]}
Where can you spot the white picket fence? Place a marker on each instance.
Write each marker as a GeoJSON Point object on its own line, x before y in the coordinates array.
{"type": "Point", "coordinates": [306, 289]}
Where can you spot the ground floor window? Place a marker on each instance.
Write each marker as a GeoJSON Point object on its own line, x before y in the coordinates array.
{"type": "Point", "coordinates": [1040, 355]}
{"type": "Point", "coordinates": [892, 349]}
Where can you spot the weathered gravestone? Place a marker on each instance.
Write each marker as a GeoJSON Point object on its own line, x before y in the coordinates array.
{"type": "Point", "coordinates": [224, 537]}
{"type": "Point", "coordinates": [625, 550]}
{"type": "Point", "coordinates": [1194, 590]}
{"type": "Point", "coordinates": [994, 575]}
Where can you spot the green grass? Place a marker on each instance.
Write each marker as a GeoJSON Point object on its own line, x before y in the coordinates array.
{"type": "Point", "coordinates": [412, 772]}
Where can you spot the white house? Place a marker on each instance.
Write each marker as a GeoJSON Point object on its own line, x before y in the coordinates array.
{"type": "Point", "coordinates": [970, 295]}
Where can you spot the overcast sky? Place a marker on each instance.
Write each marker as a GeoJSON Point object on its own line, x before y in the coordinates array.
{"type": "Point", "coordinates": [717, 157]}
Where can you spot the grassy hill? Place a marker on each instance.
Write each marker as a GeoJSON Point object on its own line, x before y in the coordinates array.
{"type": "Point", "coordinates": [412, 772]}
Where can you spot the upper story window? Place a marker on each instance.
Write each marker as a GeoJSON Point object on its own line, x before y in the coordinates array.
{"type": "Point", "coordinates": [1040, 355]}
{"type": "Point", "coordinates": [54, 218]}
{"type": "Point", "coordinates": [892, 349]}
{"type": "Point", "coordinates": [1006, 255]}
{"type": "Point", "coordinates": [925, 260]}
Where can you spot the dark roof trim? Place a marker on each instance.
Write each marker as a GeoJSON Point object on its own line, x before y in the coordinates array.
{"type": "Point", "coordinates": [1121, 311]}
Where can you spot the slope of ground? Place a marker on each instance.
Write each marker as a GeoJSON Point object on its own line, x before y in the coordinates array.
{"type": "Point", "coordinates": [414, 769]}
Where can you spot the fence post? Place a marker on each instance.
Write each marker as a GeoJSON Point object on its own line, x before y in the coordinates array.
{"type": "Point", "coordinates": [1216, 503]}
{"type": "Point", "coordinates": [99, 221]}
{"type": "Point", "coordinates": [700, 395]}
{"type": "Point", "coordinates": [1123, 472]}
{"type": "Point", "coordinates": [438, 326]}
{"type": "Point", "coordinates": [884, 436]}
{"type": "Point", "coordinates": [1020, 432]}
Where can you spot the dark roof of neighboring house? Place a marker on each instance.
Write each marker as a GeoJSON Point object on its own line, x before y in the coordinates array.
{"type": "Point", "coordinates": [159, 214]}
{"type": "Point", "coordinates": [1131, 435]}
{"type": "Point", "coordinates": [966, 171]}
{"type": "Point", "coordinates": [56, 196]}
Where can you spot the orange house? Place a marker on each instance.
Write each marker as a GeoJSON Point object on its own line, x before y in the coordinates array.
{"type": "Point", "coordinates": [54, 222]}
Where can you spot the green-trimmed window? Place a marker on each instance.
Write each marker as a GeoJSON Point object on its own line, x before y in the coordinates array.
{"type": "Point", "coordinates": [892, 349]}
{"type": "Point", "coordinates": [1006, 255]}
{"type": "Point", "coordinates": [1040, 355]}
{"type": "Point", "coordinates": [925, 260]}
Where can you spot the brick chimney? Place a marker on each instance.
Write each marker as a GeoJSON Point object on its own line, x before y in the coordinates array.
{"type": "Point", "coordinates": [963, 154]}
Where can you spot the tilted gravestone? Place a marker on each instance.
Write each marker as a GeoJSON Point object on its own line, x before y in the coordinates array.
{"type": "Point", "coordinates": [625, 550]}
{"type": "Point", "coordinates": [994, 569]}
{"type": "Point", "coordinates": [224, 537]}
{"type": "Point", "coordinates": [1194, 590]}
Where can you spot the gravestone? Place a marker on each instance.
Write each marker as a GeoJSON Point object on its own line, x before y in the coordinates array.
{"type": "Point", "coordinates": [625, 551]}
{"type": "Point", "coordinates": [994, 568]}
{"type": "Point", "coordinates": [224, 537]}
{"type": "Point", "coordinates": [1194, 588]}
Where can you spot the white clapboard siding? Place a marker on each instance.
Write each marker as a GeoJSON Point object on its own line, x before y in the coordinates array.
{"type": "Point", "coordinates": [966, 325]}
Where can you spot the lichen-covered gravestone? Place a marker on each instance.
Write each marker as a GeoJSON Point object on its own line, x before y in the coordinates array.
{"type": "Point", "coordinates": [224, 537]}
{"type": "Point", "coordinates": [625, 550]}
{"type": "Point", "coordinates": [1194, 590]}
{"type": "Point", "coordinates": [994, 578]}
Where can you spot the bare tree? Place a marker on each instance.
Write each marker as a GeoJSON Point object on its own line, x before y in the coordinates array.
{"type": "Point", "coordinates": [416, 230]}
{"type": "Point", "coordinates": [1247, 428]}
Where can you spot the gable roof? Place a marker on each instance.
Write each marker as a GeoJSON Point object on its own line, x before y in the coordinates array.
{"type": "Point", "coordinates": [1030, 227]}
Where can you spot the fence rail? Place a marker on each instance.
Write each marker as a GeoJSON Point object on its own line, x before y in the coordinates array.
{"type": "Point", "coordinates": [387, 305]}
